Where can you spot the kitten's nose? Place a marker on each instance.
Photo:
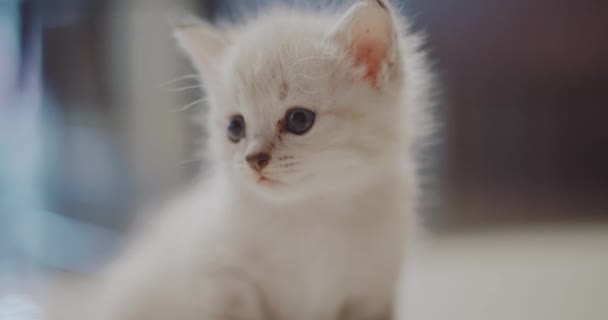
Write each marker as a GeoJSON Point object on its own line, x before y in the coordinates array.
{"type": "Point", "coordinates": [258, 161]}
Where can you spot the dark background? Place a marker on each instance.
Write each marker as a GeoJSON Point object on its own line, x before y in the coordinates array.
{"type": "Point", "coordinates": [524, 96]}
{"type": "Point", "coordinates": [525, 88]}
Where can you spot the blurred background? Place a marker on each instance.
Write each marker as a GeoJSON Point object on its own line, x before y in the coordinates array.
{"type": "Point", "coordinates": [99, 117]}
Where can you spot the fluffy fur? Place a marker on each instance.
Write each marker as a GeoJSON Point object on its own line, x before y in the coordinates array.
{"type": "Point", "coordinates": [323, 236]}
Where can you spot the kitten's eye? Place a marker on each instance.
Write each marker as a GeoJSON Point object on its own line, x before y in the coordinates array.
{"type": "Point", "coordinates": [299, 120]}
{"type": "Point", "coordinates": [236, 128]}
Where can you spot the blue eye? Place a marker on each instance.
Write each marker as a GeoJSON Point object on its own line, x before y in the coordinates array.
{"type": "Point", "coordinates": [299, 120]}
{"type": "Point", "coordinates": [236, 128]}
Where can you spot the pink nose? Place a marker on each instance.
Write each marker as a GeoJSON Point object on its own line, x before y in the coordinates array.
{"type": "Point", "coordinates": [258, 161]}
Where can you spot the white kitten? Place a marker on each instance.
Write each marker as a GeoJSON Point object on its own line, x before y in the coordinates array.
{"type": "Point", "coordinates": [314, 119]}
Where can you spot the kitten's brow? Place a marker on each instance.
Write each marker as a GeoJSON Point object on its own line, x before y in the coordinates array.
{"type": "Point", "coordinates": [302, 89]}
{"type": "Point", "coordinates": [310, 77]}
{"type": "Point", "coordinates": [283, 91]}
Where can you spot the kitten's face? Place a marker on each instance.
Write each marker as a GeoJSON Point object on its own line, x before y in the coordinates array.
{"type": "Point", "coordinates": [293, 113]}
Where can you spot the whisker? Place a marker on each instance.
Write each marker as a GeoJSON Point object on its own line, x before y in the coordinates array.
{"type": "Point", "coordinates": [186, 88]}
{"type": "Point", "coordinates": [190, 76]}
{"type": "Point", "coordinates": [190, 105]}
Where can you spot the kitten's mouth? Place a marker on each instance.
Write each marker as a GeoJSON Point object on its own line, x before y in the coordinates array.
{"type": "Point", "coordinates": [267, 182]}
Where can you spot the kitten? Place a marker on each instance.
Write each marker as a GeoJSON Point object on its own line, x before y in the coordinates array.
{"type": "Point", "coordinates": [313, 126]}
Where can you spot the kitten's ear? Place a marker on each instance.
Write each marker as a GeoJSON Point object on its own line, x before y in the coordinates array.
{"type": "Point", "coordinates": [367, 32]}
{"type": "Point", "coordinates": [202, 42]}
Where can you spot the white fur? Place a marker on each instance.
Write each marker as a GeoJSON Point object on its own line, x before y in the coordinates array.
{"type": "Point", "coordinates": [328, 241]}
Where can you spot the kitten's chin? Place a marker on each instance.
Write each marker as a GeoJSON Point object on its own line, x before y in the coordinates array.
{"type": "Point", "coordinates": [273, 190]}
{"type": "Point", "coordinates": [308, 188]}
{"type": "Point", "coordinates": [265, 182]}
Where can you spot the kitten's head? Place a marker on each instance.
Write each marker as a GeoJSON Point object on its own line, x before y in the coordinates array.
{"type": "Point", "coordinates": [303, 103]}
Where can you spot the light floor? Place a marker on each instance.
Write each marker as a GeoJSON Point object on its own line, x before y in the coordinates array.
{"type": "Point", "coordinates": [545, 273]}
{"type": "Point", "coordinates": [558, 273]}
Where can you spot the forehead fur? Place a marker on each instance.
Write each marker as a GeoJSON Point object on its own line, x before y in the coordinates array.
{"type": "Point", "coordinates": [284, 57]}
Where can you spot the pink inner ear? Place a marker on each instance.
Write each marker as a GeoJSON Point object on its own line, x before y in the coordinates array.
{"type": "Point", "coordinates": [370, 52]}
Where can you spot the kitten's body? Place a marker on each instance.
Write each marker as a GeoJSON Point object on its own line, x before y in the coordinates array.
{"type": "Point", "coordinates": [323, 239]}
{"type": "Point", "coordinates": [316, 260]}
